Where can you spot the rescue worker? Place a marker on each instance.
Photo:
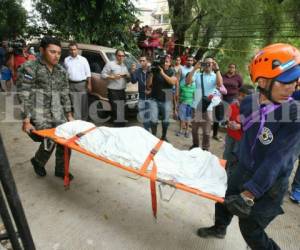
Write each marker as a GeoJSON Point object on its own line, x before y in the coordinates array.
{"type": "Point", "coordinates": [268, 149]}
{"type": "Point", "coordinates": [43, 91]}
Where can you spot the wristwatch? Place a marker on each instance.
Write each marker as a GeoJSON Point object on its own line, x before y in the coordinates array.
{"type": "Point", "coordinates": [248, 200]}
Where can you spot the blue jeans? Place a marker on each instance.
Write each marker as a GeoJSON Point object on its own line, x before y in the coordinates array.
{"type": "Point", "coordinates": [265, 209]}
{"type": "Point", "coordinates": [144, 113]}
{"type": "Point", "coordinates": [160, 111]}
{"type": "Point", "coordinates": [296, 181]}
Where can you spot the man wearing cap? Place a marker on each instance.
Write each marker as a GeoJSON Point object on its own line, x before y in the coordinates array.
{"type": "Point", "coordinates": [268, 149]}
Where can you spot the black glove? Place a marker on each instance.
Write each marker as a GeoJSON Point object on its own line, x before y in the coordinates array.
{"type": "Point", "coordinates": [236, 205]}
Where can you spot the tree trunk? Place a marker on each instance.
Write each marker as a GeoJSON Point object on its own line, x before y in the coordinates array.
{"type": "Point", "coordinates": [179, 47]}
{"type": "Point", "coordinates": [181, 21]}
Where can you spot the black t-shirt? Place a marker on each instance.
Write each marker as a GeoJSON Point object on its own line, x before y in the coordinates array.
{"type": "Point", "coordinates": [160, 87]}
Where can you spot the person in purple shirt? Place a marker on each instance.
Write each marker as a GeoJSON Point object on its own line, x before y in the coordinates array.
{"type": "Point", "coordinates": [232, 82]}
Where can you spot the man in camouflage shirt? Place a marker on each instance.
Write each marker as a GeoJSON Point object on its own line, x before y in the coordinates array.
{"type": "Point", "coordinates": [43, 91]}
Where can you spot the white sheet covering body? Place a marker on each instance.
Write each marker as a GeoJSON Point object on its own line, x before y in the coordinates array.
{"type": "Point", "coordinates": [131, 146]}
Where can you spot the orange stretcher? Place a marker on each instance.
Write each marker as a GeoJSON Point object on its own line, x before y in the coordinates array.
{"type": "Point", "coordinates": [70, 144]}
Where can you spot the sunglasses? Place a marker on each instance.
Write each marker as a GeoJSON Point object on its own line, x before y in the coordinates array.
{"type": "Point", "coordinates": [120, 55]}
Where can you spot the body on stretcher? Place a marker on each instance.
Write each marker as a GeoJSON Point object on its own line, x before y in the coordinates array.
{"type": "Point", "coordinates": [135, 150]}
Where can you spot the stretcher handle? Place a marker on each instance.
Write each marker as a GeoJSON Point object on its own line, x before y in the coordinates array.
{"type": "Point", "coordinates": [161, 192]}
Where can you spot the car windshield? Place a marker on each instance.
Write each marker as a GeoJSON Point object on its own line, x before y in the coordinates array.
{"type": "Point", "coordinates": [129, 59]}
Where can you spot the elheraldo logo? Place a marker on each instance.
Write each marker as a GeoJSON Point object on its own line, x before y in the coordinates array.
{"type": "Point", "coordinates": [266, 137]}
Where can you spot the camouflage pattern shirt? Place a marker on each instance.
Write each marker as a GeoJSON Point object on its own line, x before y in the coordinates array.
{"type": "Point", "coordinates": [44, 95]}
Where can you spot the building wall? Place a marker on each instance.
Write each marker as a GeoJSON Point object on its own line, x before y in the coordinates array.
{"type": "Point", "coordinates": [154, 13]}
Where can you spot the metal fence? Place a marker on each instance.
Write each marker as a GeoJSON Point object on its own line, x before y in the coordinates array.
{"type": "Point", "coordinates": [11, 210]}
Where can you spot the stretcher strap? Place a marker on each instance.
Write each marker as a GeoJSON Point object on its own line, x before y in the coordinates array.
{"type": "Point", "coordinates": [153, 189]}
{"type": "Point", "coordinates": [67, 166]}
{"type": "Point", "coordinates": [152, 176]}
{"type": "Point", "coordinates": [151, 156]}
{"type": "Point", "coordinates": [77, 136]}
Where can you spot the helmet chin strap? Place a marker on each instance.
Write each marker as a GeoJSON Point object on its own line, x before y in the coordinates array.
{"type": "Point", "coordinates": [268, 92]}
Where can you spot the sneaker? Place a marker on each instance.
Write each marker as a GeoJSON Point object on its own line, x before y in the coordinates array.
{"type": "Point", "coordinates": [193, 146]}
{"type": "Point", "coordinates": [38, 169]}
{"type": "Point", "coordinates": [62, 175]}
{"type": "Point", "coordinates": [213, 231]}
{"type": "Point", "coordinates": [295, 196]}
{"type": "Point", "coordinates": [217, 138]}
{"type": "Point", "coordinates": [179, 133]}
{"type": "Point", "coordinates": [187, 135]}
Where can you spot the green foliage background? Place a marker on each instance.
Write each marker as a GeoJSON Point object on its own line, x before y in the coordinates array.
{"type": "Point", "coordinates": [232, 30]}
{"type": "Point", "coordinates": [105, 22]}
{"type": "Point", "coordinates": [12, 19]}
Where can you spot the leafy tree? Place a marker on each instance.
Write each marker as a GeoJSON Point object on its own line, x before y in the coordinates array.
{"type": "Point", "coordinates": [92, 21]}
{"type": "Point", "coordinates": [292, 14]}
{"type": "Point", "coordinates": [12, 19]}
{"type": "Point", "coordinates": [231, 30]}
{"type": "Point", "coordinates": [182, 18]}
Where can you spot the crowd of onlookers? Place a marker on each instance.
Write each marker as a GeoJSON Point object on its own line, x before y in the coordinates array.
{"type": "Point", "coordinates": [12, 56]}
{"type": "Point", "coordinates": [153, 41]}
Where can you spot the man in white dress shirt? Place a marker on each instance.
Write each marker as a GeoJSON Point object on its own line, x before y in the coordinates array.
{"type": "Point", "coordinates": [79, 74]}
{"type": "Point", "coordinates": [117, 75]}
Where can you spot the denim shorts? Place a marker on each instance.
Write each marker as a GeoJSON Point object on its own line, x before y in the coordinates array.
{"type": "Point", "coordinates": [5, 74]}
{"type": "Point", "coordinates": [185, 112]}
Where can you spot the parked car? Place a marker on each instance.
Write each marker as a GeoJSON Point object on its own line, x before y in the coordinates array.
{"type": "Point", "coordinates": [97, 57]}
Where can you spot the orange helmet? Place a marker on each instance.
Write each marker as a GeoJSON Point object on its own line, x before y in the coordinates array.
{"type": "Point", "coordinates": [274, 60]}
